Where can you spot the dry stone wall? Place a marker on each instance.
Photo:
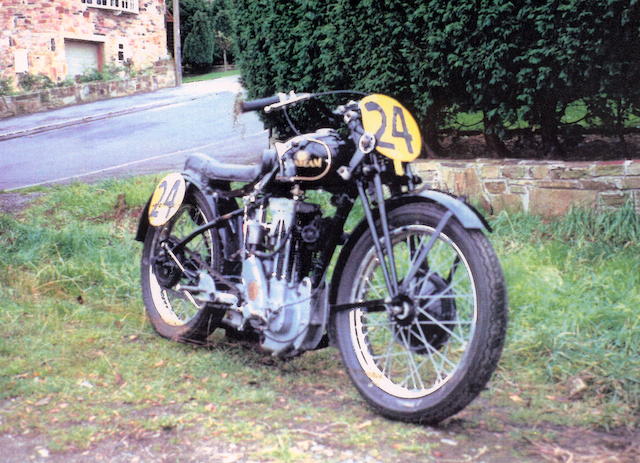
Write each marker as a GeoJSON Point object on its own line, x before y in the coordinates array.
{"type": "Point", "coordinates": [547, 188]}
{"type": "Point", "coordinates": [163, 75]}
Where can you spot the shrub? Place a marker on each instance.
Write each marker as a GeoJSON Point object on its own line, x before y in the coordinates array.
{"type": "Point", "coordinates": [199, 44]}
{"type": "Point", "coordinates": [6, 86]}
{"type": "Point", "coordinates": [110, 71]}
{"type": "Point", "coordinates": [518, 63]}
{"type": "Point", "coordinates": [30, 82]}
{"type": "Point", "coordinates": [90, 75]}
{"type": "Point", "coordinates": [204, 32]}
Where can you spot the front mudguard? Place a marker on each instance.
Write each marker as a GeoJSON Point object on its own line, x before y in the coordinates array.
{"type": "Point", "coordinates": [466, 214]}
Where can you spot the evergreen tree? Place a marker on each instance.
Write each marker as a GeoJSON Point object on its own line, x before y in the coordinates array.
{"type": "Point", "coordinates": [199, 44]}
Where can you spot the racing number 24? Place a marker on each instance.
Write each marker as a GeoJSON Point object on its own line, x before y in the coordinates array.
{"type": "Point", "coordinates": [396, 132]}
{"type": "Point", "coordinates": [167, 198]}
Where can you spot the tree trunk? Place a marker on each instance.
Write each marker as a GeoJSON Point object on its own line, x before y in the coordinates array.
{"type": "Point", "coordinates": [551, 146]}
{"type": "Point", "coordinates": [224, 58]}
{"type": "Point", "coordinates": [493, 141]}
{"type": "Point", "coordinates": [431, 124]}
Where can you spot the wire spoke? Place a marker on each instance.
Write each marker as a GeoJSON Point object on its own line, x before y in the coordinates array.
{"type": "Point", "coordinates": [428, 345]}
{"type": "Point", "coordinates": [442, 356]}
{"type": "Point", "coordinates": [413, 369]}
{"type": "Point", "coordinates": [404, 362]}
{"type": "Point", "coordinates": [441, 325]}
{"type": "Point", "coordinates": [389, 354]}
{"type": "Point", "coordinates": [388, 361]}
{"type": "Point", "coordinates": [370, 286]}
{"type": "Point", "coordinates": [445, 296]}
{"type": "Point", "coordinates": [431, 323]}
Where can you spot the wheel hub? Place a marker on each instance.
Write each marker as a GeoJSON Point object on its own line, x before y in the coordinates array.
{"type": "Point", "coordinates": [414, 326]}
{"type": "Point", "coordinates": [165, 267]}
{"type": "Point", "coordinates": [403, 311]}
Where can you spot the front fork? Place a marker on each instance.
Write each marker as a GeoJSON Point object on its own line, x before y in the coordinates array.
{"type": "Point", "coordinates": [383, 244]}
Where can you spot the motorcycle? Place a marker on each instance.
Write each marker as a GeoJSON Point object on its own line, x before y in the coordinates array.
{"type": "Point", "coordinates": [415, 299]}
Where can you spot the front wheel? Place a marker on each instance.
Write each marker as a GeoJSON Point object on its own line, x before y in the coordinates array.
{"type": "Point", "coordinates": [426, 357]}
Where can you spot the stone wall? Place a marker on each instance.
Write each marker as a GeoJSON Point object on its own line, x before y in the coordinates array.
{"type": "Point", "coordinates": [547, 188]}
{"type": "Point", "coordinates": [163, 75]}
{"type": "Point", "coordinates": [34, 33]}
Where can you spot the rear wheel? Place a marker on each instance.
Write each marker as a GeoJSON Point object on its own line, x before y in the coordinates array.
{"type": "Point", "coordinates": [430, 353]}
{"type": "Point", "coordinates": [176, 312]}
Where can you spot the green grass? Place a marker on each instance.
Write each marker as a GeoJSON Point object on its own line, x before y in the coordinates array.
{"type": "Point", "coordinates": [574, 288]}
{"type": "Point", "coordinates": [575, 113]}
{"type": "Point", "coordinates": [211, 75]}
{"type": "Point", "coordinates": [79, 363]}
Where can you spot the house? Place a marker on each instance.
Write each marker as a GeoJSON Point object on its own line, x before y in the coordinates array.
{"type": "Point", "coordinates": [64, 38]}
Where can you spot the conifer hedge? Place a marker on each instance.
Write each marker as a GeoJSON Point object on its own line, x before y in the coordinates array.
{"type": "Point", "coordinates": [519, 61]}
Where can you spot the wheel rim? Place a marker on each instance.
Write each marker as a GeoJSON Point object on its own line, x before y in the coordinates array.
{"type": "Point", "coordinates": [415, 357]}
{"type": "Point", "coordinates": [177, 308]}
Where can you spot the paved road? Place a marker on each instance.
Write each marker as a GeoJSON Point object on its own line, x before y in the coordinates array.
{"type": "Point", "coordinates": [127, 136]}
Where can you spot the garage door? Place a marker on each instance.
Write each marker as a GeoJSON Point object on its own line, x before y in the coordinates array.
{"type": "Point", "coordinates": [81, 56]}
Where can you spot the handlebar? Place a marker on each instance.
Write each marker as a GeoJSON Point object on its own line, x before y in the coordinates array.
{"type": "Point", "coordinates": [274, 102]}
{"type": "Point", "coordinates": [254, 105]}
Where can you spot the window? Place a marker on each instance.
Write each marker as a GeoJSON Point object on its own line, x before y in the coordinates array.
{"type": "Point", "coordinates": [127, 6]}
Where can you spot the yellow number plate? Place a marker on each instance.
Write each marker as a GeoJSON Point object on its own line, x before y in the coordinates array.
{"type": "Point", "coordinates": [166, 199]}
{"type": "Point", "coordinates": [396, 131]}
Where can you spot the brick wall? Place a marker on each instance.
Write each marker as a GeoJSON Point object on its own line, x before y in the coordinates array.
{"type": "Point", "coordinates": [547, 188]}
{"type": "Point", "coordinates": [38, 29]}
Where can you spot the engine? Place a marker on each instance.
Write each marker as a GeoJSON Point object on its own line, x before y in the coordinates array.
{"type": "Point", "coordinates": [279, 301]}
{"type": "Point", "coordinates": [313, 158]}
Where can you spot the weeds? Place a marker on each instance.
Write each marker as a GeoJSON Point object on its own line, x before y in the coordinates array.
{"type": "Point", "coordinates": [75, 346]}
{"type": "Point", "coordinates": [30, 82]}
{"type": "Point", "coordinates": [6, 86]}
{"type": "Point", "coordinates": [574, 292]}
{"type": "Point", "coordinates": [615, 229]}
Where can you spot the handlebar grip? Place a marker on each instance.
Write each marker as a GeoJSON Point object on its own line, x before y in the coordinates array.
{"type": "Point", "coordinates": [253, 105]}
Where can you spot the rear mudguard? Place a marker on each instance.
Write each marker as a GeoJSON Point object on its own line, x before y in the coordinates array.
{"type": "Point", "coordinates": [194, 181]}
{"type": "Point", "coordinates": [466, 214]}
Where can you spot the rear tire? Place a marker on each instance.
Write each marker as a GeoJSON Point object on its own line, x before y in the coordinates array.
{"type": "Point", "coordinates": [430, 362]}
{"type": "Point", "coordinates": [176, 314]}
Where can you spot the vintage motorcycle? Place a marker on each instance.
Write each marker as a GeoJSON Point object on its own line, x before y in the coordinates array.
{"type": "Point", "coordinates": [415, 299]}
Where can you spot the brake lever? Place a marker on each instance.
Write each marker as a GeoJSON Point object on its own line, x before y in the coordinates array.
{"type": "Point", "coordinates": [287, 99]}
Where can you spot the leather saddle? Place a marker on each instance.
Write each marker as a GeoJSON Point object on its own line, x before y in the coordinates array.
{"type": "Point", "coordinates": [210, 168]}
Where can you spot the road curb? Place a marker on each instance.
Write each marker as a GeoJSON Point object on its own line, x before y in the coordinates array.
{"type": "Point", "coordinates": [84, 120]}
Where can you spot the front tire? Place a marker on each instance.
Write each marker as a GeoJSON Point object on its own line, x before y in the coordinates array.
{"type": "Point", "coordinates": [175, 313]}
{"type": "Point", "coordinates": [430, 361]}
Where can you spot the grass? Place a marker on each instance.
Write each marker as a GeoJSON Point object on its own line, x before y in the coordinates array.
{"type": "Point", "coordinates": [79, 363]}
{"type": "Point", "coordinates": [575, 114]}
{"type": "Point", "coordinates": [211, 75]}
{"type": "Point", "coordinates": [574, 292]}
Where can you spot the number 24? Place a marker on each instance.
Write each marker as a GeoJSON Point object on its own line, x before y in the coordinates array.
{"type": "Point", "coordinates": [169, 200]}
{"type": "Point", "coordinates": [398, 117]}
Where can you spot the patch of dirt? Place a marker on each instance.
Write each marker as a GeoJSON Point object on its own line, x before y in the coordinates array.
{"type": "Point", "coordinates": [579, 148]}
{"type": "Point", "coordinates": [14, 203]}
{"type": "Point", "coordinates": [454, 442]}
{"type": "Point", "coordinates": [579, 446]}
{"type": "Point", "coordinates": [120, 213]}
{"type": "Point", "coordinates": [483, 432]}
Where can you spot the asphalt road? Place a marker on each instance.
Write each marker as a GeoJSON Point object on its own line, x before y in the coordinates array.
{"type": "Point", "coordinates": [146, 141]}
